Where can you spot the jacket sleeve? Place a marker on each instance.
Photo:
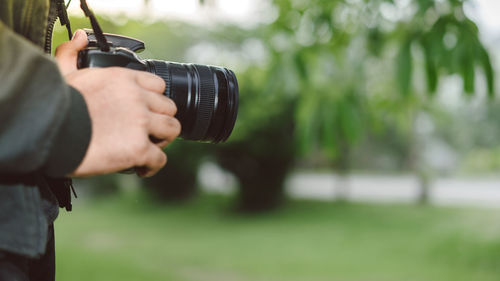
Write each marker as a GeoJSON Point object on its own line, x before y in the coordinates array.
{"type": "Point", "coordinates": [44, 123]}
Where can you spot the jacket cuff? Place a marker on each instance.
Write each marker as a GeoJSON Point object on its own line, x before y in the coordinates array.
{"type": "Point", "coordinates": [72, 140]}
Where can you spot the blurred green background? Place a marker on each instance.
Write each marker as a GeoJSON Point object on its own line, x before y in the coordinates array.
{"type": "Point", "coordinates": [343, 103]}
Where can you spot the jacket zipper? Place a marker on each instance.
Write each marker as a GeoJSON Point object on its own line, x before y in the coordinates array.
{"type": "Point", "coordinates": [48, 35]}
{"type": "Point", "coordinates": [61, 14]}
{"type": "Point", "coordinates": [50, 26]}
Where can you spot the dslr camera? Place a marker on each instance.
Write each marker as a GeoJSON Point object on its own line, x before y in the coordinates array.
{"type": "Point", "coordinates": [206, 96]}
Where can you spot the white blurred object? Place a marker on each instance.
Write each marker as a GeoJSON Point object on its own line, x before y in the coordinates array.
{"type": "Point", "coordinates": [474, 191]}
{"type": "Point", "coordinates": [439, 156]}
{"type": "Point", "coordinates": [478, 191]}
{"type": "Point", "coordinates": [372, 188]}
{"type": "Point", "coordinates": [483, 192]}
{"type": "Point", "coordinates": [250, 12]}
{"type": "Point", "coordinates": [245, 13]}
{"type": "Point", "coordinates": [485, 13]}
{"type": "Point", "coordinates": [214, 179]}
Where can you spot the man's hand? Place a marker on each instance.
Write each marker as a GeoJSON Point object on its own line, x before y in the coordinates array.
{"type": "Point", "coordinates": [126, 107]}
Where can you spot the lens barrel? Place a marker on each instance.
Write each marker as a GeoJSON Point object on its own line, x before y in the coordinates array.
{"type": "Point", "coordinates": [206, 98]}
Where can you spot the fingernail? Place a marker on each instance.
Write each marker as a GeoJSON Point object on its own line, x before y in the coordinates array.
{"type": "Point", "coordinates": [76, 35]}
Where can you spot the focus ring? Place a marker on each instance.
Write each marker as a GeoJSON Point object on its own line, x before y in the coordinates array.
{"type": "Point", "coordinates": [161, 69]}
{"type": "Point", "coordinates": [206, 101]}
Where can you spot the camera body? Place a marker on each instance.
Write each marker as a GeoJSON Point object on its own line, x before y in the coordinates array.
{"type": "Point", "coordinates": [122, 53]}
{"type": "Point", "coordinates": [206, 96]}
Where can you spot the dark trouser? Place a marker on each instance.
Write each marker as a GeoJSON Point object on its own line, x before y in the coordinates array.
{"type": "Point", "coordinates": [20, 268]}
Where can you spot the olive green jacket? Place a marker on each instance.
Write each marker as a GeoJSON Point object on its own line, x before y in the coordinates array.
{"type": "Point", "coordinates": [27, 18]}
{"type": "Point", "coordinates": [44, 125]}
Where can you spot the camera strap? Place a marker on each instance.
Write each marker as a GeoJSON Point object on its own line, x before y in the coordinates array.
{"type": "Point", "coordinates": [102, 43]}
{"type": "Point", "coordinates": [62, 13]}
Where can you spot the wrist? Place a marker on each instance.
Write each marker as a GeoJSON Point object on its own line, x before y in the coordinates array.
{"type": "Point", "coordinates": [72, 140]}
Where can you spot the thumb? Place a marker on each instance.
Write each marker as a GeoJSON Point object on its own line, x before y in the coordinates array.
{"type": "Point", "coordinates": [67, 53]}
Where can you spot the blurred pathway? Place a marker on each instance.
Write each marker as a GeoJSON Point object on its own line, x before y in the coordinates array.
{"type": "Point", "coordinates": [482, 192]}
{"type": "Point", "coordinates": [478, 191]}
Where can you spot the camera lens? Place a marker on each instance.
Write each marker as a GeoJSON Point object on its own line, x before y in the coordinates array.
{"type": "Point", "coordinates": [206, 98]}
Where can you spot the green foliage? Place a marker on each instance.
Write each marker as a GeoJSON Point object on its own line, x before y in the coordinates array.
{"type": "Point", "coordinates": [450, 45]}
{"type": "Point", "coordinates": [485, 63]}
{"type": "Point", "coordinates": [481, 160]}
{"type": "Point", "coordinates": [324, 120]}
{"type": "Point", "coordinates": [474, 131]}
{"type": "Point", "coordinates": [405, 69]}
{"type": "Point", "coordinates": [323, 38]}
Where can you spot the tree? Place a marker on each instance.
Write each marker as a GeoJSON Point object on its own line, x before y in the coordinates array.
{"type": "Point", "coordinates": [260, 152]}
{"type": "Point", "coordinates": [177, 181]}
{"type": "Point", "coordinates": [345, 64]}
{"type": "Point", "coordinates": [449, 44]}
{"type": "Point", "coordinates": [332, 44]}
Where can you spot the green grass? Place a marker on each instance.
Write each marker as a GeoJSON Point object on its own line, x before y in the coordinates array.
{"type": "Point", "coordinates": [124, 239]}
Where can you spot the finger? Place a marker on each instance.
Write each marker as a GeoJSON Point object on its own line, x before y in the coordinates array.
{"type": "Point", "coordinates": [164, 128]}
{"type": "Point", "coordinates": [163, 144]}
{"type": "Point", "coordinates": [150, 82]}
{"type": "Point", "coordinates": [155, 160]}
{"type": "Point", "coordinates": [67, 53]}
{"type": "Point", "coordinates": [160, 143]}
{"type": "Point", "coordinates": [160, 104]}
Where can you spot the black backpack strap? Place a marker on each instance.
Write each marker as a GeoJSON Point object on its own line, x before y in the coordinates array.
{"type": "Point", "coordinates": [62, 189]}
